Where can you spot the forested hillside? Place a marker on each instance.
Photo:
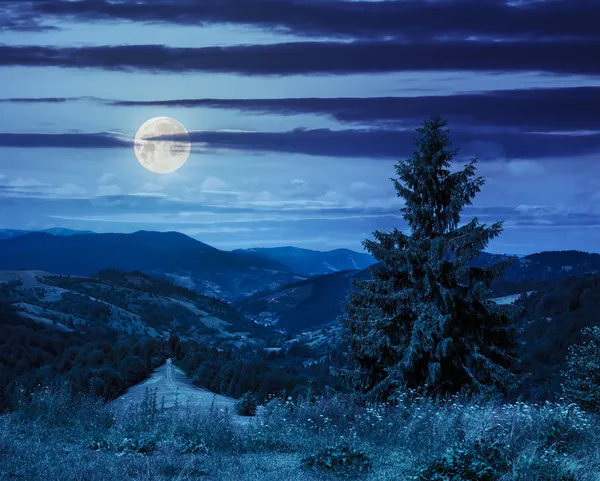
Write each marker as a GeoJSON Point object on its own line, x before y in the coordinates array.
{"type": "Point", "coordinates": [132, 303]}
{"type": "Point", "coordinates": [553, 320]}
{"type": "Point", "coordinates": [169, 255]}
{"type": "Point", "coordinates": [104, 363]}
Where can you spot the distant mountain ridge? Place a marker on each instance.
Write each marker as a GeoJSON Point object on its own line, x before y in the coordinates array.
{"type": "Point", "coordinates": [9, 233]}
{"type": "Point", "coordinates": [171, 255]}
{"type": "Point", "coordinates": [312, 262]}
{"type": "Point", "coordinates": [317, 301]}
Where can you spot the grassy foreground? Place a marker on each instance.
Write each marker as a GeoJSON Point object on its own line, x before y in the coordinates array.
{"type": "Point", "coordinates": [55, 437]}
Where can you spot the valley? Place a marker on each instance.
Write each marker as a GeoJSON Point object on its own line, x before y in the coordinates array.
{"type": "Point", "coordinates": [156, 348]}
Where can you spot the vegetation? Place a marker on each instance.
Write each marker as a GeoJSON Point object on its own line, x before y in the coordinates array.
{"type": "Point", "coordinates": [234, 372]}
{"type": "Point", "coordinates": [58, 436]}
{"type": "Point", "coordinates": [431, 359]}
{"type": "Point", "coordinates": [582, 373]}
{"type": "Point", "coordinates": [552, 320]}
{"type": "Point", "coordinates": [246, 406]}
{"type": "Point", "coordinates": [104, 364]}
{"type": "Point", "coordinates": [423, 320]}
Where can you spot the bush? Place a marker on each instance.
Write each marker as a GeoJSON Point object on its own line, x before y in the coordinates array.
{"type": "Point", "coordinates": [192, 446]}
{"type": "Point", "coordinates": [341, 460]}
{"type": "Point", "coordinates": [246, 406]}
{"type": "Point", "coordinates": [484, 460]}
{"type": "Point", "coordinates": [582, 374]}
{"type": "Point", "coordinates": [143, 446]}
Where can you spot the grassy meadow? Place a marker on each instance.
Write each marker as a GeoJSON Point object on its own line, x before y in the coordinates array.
{"type": "Point", "coordinates": [56, 436]}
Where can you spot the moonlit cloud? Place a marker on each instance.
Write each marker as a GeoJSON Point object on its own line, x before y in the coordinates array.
{"type": "Point", "coordinates": [297, 112]}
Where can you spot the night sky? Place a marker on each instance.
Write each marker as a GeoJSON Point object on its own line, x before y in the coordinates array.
{"type": "Point", "coordinates": [297, 111]}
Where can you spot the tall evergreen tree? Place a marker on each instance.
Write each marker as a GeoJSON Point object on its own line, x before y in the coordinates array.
{"type": "Point", "coordinates": [423, 321]}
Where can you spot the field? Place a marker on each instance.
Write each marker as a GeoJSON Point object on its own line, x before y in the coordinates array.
{"type": "Point", "coordinates": [54, 437]}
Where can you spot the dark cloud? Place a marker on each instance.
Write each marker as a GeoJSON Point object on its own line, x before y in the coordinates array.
{"type": "Point", "coordinates": [558, 109]}
{"type": "Point", "coordinates": [366, 143]}
{"type": "Point", "coordinates": [65, 140]}
{"type": "Point", "coordinates": [572, 57]}
{"type": "Point", "coordinates": [408, 19]}
{"type": "Point", "coordinates": [39, 100]}
{"type": "Point", "coordinates": [542, 110]}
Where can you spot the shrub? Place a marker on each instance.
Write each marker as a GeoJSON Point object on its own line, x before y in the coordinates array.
{"type": "Point", "coordinates": [192, 446]}
{"type": "Point", "coordinates": [246, 406]}
{"type": "Point", "coordinates": [141, 446]}
{"type": "Point", "coordinates": [582, 373]}
{"type": "Point", "coordinates": [484, 460]}
{"type": "Point", "coordinates": [341, 460]}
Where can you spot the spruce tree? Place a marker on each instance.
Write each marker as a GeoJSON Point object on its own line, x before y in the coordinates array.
{"type": "Point", "coordinates": [423, 322]}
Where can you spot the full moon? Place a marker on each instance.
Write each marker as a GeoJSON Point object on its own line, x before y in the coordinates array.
{"type": "Point", "coordinates": [162, 156]}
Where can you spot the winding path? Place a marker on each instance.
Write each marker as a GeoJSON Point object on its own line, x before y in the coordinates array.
{"type": "Point", "coordinates": [174, 387]}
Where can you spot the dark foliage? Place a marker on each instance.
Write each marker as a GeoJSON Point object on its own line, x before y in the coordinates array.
{"type": "Point", "coordinates": [423, 322]}
{"type": "Point", "coordinates": [234, 372]}
{"type": "Point", "coordinates": [246, 406]}
{"type": "Point", "coordinates": [100, 363]}
{"type": "Point", "coordinates": [483, 460]}
{"type": "Point", "coordinates": [341, 460]}
{"type": "Point", "coordinates": [552, 320]}
{"type": "Point", "coordinates": [581, 378]}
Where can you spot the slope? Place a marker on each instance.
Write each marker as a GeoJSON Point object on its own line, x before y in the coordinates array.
{"type": "Point", "coordinates": [170, 255]}
{"type": "Point", "coordinates": [317, 301]}
{"type": "Point", "coordinates": [132, 303]}
{"type": "Point", "coordinates": [311, 262]}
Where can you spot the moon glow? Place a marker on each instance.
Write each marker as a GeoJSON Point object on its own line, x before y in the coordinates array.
{"type": "Point", "coordinates": [161, 156]}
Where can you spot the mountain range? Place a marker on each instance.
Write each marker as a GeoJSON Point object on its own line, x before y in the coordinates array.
{"type": "Point", "coordinates": [310, 262]}
{"type": "Point", "coordinates": [269, 285]}
{"type": "Point", "coordinates": [317, 301]}
{"type": "Point", "coordinates": [171, 255]}
{"type": "Point", "coordinates": [9, 233]}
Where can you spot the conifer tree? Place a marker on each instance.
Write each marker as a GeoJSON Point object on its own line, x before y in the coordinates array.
{"type": "Point", "coordinates": [423, 322]}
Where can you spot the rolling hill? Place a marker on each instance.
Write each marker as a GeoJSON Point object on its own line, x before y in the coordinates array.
{"type": "Point", "coordinates": [130, 303]}
{"type": "Point", "coordinates": [311, 262]}
{"type": "Point", "coordinates": [170, 255]}
{"type": "Point", "coordinates": [304, 304]}
{"type": "Point", "coordinates": [315, 302]}
{"type": "Point", "coordinates": [9, 233]}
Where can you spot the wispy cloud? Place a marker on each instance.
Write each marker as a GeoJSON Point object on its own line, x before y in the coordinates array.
{"type": "Point", "coordinates": [350, 143]}
{"type": "Point", "coordinates": [500, 109]}
{"type": "Point", "coordinates": [578, 107]}
{"type": "Point", "coordinates": [401, 19]}
{"type": "Point", "coordinates": [324, 58]}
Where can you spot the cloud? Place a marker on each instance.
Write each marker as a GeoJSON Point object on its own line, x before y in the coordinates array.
{"type": "Point", "coordinates": [213, 184]}
{"type": "Point", "coordinates": [101, 140]}
{"type": "Point", "coordinates": [525, 167]}
{"type": "Point", "coordinates": [299, 188]}
{"type": "Point", "coordinates": [364, 190]}
{"type": "Point", "coordinates": [21, 182]}
{"type": "Point", "coordinates": [391, 144]}
{"type": "Point", "coordinates": [500, 109]}
{"type": "Point", "coordinates": [70, 190]}
{"type": "Point", "coordinates": [26, 187]}
{"type": "Point", "coordinates": [39, 100]}
{"type": "Point", "coordinates": [151, 187]}
{"type": "Point", "coordinates": [350, 143]}
{"type": "Point", "coordinates": [106, 190]}
{"type": "Point", "coordinates": [107, 178]}
{"type": "Point", "coordinates": [325, 58]}
{"type": "Point", "coordinates": [404, 19]}
{"type": "Point", "coordinates": [578, 107]}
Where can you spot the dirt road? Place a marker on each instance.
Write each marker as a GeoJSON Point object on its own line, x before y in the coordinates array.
{"type": "Point", "coordinates": [172, 385]}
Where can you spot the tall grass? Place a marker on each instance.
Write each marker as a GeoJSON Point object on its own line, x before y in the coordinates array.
{"type": "Point", "coordinates": [55, 435]}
